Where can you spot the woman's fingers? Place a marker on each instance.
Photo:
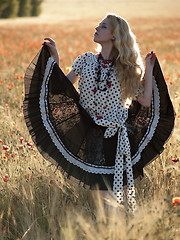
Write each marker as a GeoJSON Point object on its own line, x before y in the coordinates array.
{"type": "Point", "coordinates": [154, 55]}
{"type": "Point", "coordinates": [51, 41]}
{"type": "Point", "coordinates": [150, 59]}
{"type": "Point", "coordinates": [151, 55]}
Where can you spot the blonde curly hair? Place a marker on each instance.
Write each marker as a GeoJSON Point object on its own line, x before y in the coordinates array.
{"type": "Point", "coordinates": [128, 59]}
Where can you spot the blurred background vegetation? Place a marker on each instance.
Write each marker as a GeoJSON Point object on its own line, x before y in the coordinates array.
{"type": "Point", "coordinates": [19, 8]}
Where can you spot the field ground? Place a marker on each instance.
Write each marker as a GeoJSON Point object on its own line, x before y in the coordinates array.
{"type": "Point", "coordinates": [35, 201]}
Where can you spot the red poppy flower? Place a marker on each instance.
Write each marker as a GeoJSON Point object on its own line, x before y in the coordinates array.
{"type": "Point", "coordinates": [1, 141]}
{"type": "Point", "coordinates": [29, 144]}
{"type": "Point", "coordinates": [176, 201]}
{"type": "Point", "coordinates": [21, 139]}
{"type": "Point", "coordinates": [5, 147]}
{"type": "Point", "coordinates": [51, 182]}
{"type": "Point", "coordinates": [6, 178]}
{"type": "Point", "coordinates": [175, 160]}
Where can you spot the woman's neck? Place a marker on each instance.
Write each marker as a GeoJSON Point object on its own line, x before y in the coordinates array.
{"type": "Point", "coordinates": [107, 53]}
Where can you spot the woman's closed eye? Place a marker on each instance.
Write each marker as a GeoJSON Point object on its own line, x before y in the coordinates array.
{"type": "Point", "coordinates": [103, 26]}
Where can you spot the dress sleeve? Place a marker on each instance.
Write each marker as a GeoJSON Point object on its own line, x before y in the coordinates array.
{"type": "Point", "coordinates": [78, 64]}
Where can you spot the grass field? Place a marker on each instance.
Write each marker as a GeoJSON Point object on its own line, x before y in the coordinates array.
{"type": "Point", "coordinates": [35, 201]}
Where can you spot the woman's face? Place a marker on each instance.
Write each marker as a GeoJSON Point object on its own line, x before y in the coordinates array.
{"type": "Point", "coordinates": [103, 32]}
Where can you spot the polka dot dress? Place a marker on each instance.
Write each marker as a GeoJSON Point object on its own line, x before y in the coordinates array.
{"type": "Point", "coordinates": [103, 103]}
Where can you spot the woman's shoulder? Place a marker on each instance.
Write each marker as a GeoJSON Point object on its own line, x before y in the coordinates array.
{"type": "Point", "coordinates": [89, 57]}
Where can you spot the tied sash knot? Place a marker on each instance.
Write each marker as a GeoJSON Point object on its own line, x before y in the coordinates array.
{"type": "Point", "coordinates": [122, 160]}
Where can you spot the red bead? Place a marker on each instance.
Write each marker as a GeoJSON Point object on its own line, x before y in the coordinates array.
{"type": "Point", "coordinates": [99, 117]}
{"type": "Point", "coordinates": [95, 90]}
{"type": "Point", "coordinates": [109, 84]}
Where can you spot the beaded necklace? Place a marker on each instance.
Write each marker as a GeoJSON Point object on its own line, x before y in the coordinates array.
{"type": "Point", "coordinates": [106, 78]}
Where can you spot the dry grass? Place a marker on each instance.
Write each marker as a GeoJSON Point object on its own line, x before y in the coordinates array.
{"type": "Point", "coordinates": [35, 201]}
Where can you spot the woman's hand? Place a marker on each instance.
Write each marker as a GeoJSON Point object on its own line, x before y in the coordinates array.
{"type": "Point", "coordinates": [150, 60]}
{"type": "Point", "coordinates": [50, 43]}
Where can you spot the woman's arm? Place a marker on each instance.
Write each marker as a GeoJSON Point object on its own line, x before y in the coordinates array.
{"type": "Point", "coordinates": [52, 49]}
{"type": "Point", "coordinates": [145, 98]}
{"type": "Point", "coordinates": [55, 55]}
{"type": "Point", "coordinates": [72, 76]}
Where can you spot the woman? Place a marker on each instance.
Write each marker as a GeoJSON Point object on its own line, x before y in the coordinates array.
{"type": "Point", "coordinates": [101, 141]}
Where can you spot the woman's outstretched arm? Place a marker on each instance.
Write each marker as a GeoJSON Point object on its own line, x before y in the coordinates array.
{"type": "Point", "coordinates": [145, 98]}
{"type": "Point", "coordinates": [52, 49]}
{"type": "Point", "coordinates": [72, 76]}
{"type": "Point", "coordinates": [50, 43]}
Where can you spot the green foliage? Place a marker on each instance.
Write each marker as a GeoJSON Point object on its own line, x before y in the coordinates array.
{"type": "Point", "coordinates": [3, 5]}
{"type": "Point", "coordinates": [36, 7]}
{"type": "Point", "coordinates": [24, 8]}
{"type": "Point", "coordinates": [9, 8]}
{"type": "Point", "coordinates": [21, 8]}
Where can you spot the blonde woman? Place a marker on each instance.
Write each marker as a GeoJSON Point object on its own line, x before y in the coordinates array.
{"type": "Point", "coordinates": [104, 134]}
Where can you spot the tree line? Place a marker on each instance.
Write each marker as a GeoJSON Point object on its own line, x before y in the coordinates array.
{"type": "Point", "coordinates": [19, 8]}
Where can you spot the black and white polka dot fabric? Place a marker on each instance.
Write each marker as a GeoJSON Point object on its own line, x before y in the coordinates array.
{"type": "Point", "coordinates": [106, 109]}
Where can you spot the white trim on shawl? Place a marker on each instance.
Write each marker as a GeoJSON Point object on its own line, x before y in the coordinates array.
{"type": "Point", "coordinates": [92, 168]}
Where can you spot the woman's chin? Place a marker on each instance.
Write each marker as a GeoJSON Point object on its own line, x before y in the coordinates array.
{"type": "Point", "coordinates": [95, 40]}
